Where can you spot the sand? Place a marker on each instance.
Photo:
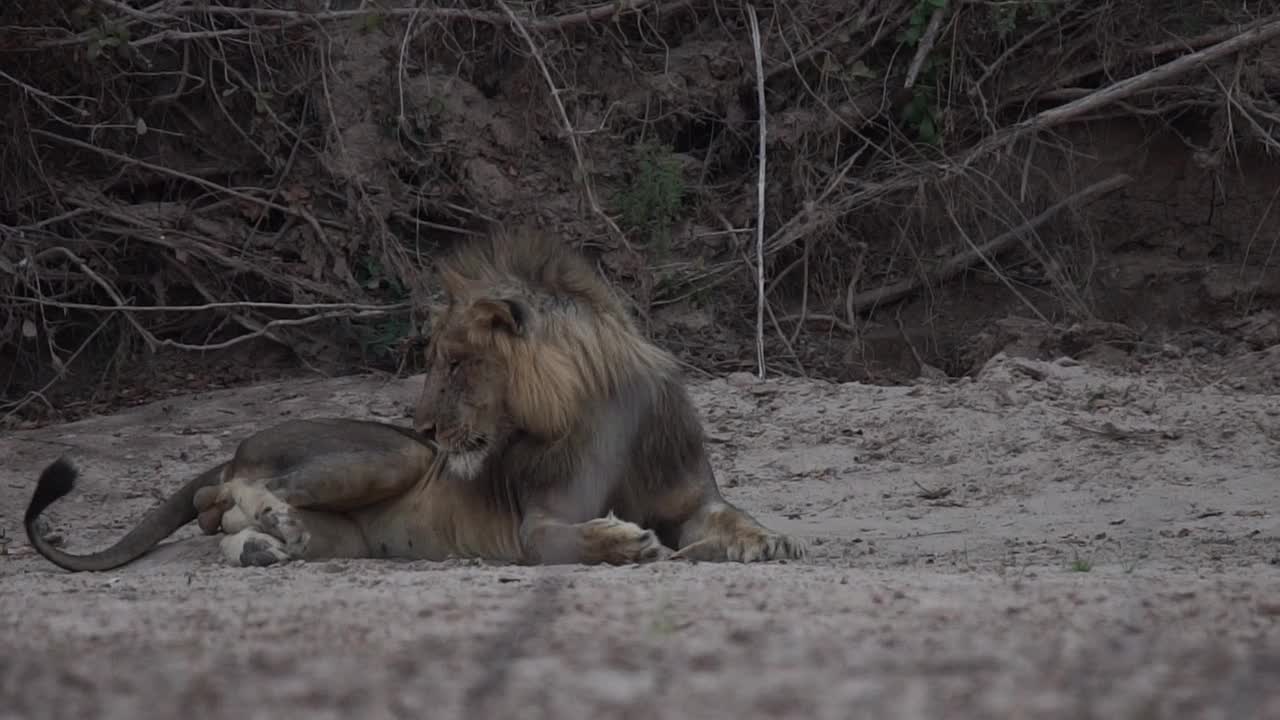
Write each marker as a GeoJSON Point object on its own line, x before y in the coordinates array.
{"type": "Point", "coordinates": [1048, 539]}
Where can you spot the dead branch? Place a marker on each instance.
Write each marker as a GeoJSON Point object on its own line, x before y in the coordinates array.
{"type": "Point", "coordinates": [1212, 37]}
{"type": "Point", "coordinates": [298, 307]}
{"type": "Point", "coordinates": [37, 92]}
{"type": "Point", "coordinates": [1129, 86]}
{"type": "Point", "coordinates": [267, 327]}
{"type": "Point", "coordinates": [924, 48]}
{"type": "Point", "coordinates": [207, 184]}
{"type": "Point", "coordinates": [888, 20]}
{"type": "Point", "coordinates": [560, 22]}
{"type": "Point", "coordinates": [760, 184]}
{"type": "Point", "coordinates": [107, 287]}
{"type": "Point", "coordinates": [958, 263]}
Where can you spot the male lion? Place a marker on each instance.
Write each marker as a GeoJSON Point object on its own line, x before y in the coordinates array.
{"type": "Point", "coordinates": [562, 435]}
{"type": "Point", "coordinates": [544, 392]}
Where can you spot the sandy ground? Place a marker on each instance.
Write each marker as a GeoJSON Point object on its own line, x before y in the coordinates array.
{"type": "Point", "coordinates": [1048, 540]}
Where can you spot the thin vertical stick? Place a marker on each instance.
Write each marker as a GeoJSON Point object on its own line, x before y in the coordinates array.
{"type": "Point", "coordinates": [755, 42]}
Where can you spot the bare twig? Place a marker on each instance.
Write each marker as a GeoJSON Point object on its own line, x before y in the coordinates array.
{"type": "Point", "coordinates": [859, 266]}
{"type": "Point", "coordinates": [957, 263]}
{"type": "Point", "coordinates": [821, 318]}
{"type": "Point", "coordinates": [924, 48]}
{"type": "Point", "coordinates": [170, 172]}
{"type": "Point", "coordinates": [1213, 37]}
{"type": "Point", "coordinates": [267, 327]}
{"type": "Point", "coordinates": [600, 13]}
{"type": "Point", "coordinates": [44, 95]}
{"type": "Point", "coordinates": [107, 287]}
{"type": "Point", "coordinates": [760, 184]}
{"type": "Point", "coordinates": [384, 309]}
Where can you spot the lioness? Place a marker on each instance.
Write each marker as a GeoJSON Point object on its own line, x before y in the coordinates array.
{"type": "Point", "coordinates": [335, 474]}
{"type": "Point", "coordinates": [565, 434]}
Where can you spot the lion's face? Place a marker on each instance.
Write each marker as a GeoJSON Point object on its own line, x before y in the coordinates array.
{"type": "Point", "coordinates": [464, 394]}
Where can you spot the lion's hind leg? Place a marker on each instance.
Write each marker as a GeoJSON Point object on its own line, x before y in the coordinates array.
{"type": "Point", "coordinates": [253, 548]}
{"type": "Point", "coordinates": [262, 529]}
{"type": "Point", "coordinates": [720, 532]}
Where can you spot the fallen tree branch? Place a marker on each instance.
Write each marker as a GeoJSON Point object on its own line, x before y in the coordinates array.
{"type": "Point", "coordinates": [958, 263]}
{"type": "Point", "coordinates": [1213, 37]}
{"type": "Point", "coordinates": [1131, 85]}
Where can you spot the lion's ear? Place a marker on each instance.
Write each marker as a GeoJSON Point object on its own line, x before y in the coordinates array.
{"type": "Point", "coordinates": [511, 316]}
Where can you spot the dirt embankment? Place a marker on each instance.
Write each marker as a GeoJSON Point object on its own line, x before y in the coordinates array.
{"type": "Point", "coordinates": [1046, 539]}
{"type": "Point", "coordinates": [930, 168]}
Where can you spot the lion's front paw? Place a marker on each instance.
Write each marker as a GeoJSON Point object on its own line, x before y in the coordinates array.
{"type": "Point", "coordinates": [618, 542]}
{"type": "Point", "coordinates": [763, 545]}
{"type": "Point", "coordinates": [746, 544]}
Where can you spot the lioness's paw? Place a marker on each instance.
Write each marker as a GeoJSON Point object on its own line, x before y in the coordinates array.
{"type": "Point", "coordinates": [250, 548]}
{"type": "Point", "coordinates": [619, 542]}
{"type": "Point", "coordinates": [281, 523]}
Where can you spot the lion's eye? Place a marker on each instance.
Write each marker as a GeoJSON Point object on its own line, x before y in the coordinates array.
{"type": "Point", "coordinates": [454, 364]}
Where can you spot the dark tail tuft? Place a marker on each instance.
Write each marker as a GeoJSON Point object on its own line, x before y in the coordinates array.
{"type": "Point", "coordinates": [56, 481]}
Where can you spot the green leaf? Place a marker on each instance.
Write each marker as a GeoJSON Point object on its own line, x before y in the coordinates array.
{"type": "Point", "coordinates": [928, 131]}
{"type": "Point", "coordinates": [859, 70]}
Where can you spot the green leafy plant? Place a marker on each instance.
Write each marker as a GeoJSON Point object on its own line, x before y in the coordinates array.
{"type": "Point", "coordinates": [919, 20]}
{"type": "Point", "coordinates": [1009, 16]}
{"type": "Point", "coordinates": [106, 38]}
{"type": "Point", "coordinates": [382, 337]}
{"type": "Point", "coordinates": [1079, 564]}
{"type": "Point", "coordinates": [652, 201]}
{"type": "Point", "coordinates": [922, 111]}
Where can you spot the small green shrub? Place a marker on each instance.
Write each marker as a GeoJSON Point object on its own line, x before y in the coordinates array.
{"type": "Point", "coordinates": [652, 201]}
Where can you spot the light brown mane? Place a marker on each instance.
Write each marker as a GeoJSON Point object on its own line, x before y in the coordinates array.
{"type": "Point", "coordinates": [579, 343]}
